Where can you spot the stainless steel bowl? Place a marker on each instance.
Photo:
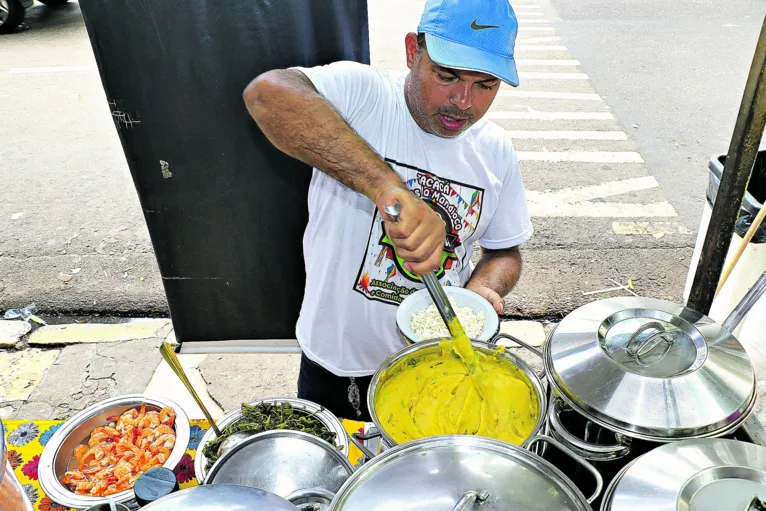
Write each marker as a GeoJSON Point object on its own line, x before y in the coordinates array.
{"type": "Point", "coordinates": [233, 416]}
{"type": "Point", "coordinates": [57, 455]}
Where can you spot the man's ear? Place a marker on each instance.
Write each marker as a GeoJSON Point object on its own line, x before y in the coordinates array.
{"type": "Point", "coordinates": [411, 47]}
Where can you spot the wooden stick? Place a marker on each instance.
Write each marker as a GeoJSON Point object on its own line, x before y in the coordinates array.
{"type": "Point", "coordinates": [745, 241]}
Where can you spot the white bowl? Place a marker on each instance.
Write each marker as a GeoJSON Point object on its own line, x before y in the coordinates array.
{"type": "Point", "coordinates": [420, 300]}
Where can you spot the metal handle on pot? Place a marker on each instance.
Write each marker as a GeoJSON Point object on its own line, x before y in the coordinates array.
{"type": "Point", "coordinates": [756, 505]}
{"type": "Point", "coordinates": [306, 495]}
{"type": "Point", "coordinates": [528, 347]}
{"type": "Point", "coordinates": [587, 466]}
{"type": "Point", "coordinates": [743, 307]}
{"type": "Point", "coordinates": [471, 498]}
{"type": "Point", "coordinates": [636, 353]}
{"type": "Point", "coordinates": [581, 447]}
{"type": "Point", "coordinates": [358, 438]}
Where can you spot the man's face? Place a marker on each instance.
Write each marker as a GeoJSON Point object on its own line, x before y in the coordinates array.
{"type": "Point", "coordinates": [445, 102]}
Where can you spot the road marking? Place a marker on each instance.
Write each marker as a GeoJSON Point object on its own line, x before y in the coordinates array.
{"type": "Point", "coordinates": [577, 202]}
{"type": "Point", "coordinates": [552, 116]}
{"type": "Point", "coordinates": [568, 135]}
{"type": "Point", "coordinates": [540, 47]}
{"type": "Point", "coordinates": [550, 39]}
{"type": "Point", "coordinates": [529, 20]}
{"type": "Point", "coordinates": [526, 6]}
{"type": "Point", "coordinates": [516, 93]}
{"type": "Point", "coordinates": [581, 156]}
{"type": "Point", "coordinates": [541, 75]}
{"type": "Point", "coordinates": [50, 69]}
{"type": "Point", "coordinates": [547, 62]}
{"type": "Point", "coordinates": [535, 29]}
{"type": "Point", "coordinates": [656, 229]}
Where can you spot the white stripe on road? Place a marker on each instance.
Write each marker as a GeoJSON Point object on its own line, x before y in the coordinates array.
{"type": "Point", "coordinates": [529, 20]}
{"type": "Point", "coordinates": [581, 156]}
{"type": "Point", "coordinates": [547, 62]}
{"type": "Point", "coordinates": [552, 116]}
{"type": "Point", "coordinates": [526, 6]}
{"type": "Point", "coordinates": [550, 39]}
{"type": "Point", "coordinates": [50, 69]}
{"type": "Point", "coordinates": [535, 75]}
{"type": "Point", "coordinates": [516, 93]}
{"type": "Point", "coordinates": [568, 135]}
{"type": "Point", "coordinates": [522, 30]}
{"type": "Point", "coordinates": [599, 191]}
{"type": "Point", "coordinates": [540, 47]}
{"type": "Point", "coordinates": [602, 210]}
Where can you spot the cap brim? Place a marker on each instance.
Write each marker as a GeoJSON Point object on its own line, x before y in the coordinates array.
{"type": "Point", "coordinates": [459, 56]}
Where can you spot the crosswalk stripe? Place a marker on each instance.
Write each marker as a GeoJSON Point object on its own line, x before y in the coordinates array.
{"type": "Point", "coordinates": [582, 96]}
{"type": "Point", "coordinates": [552, 116]}
{"type": "Point", "coordinates": [50, 69]}
{"type": "Point", "coordinates": [530, 20]}
{"type": "Point", "coordinates": [535, 29]}
{"type": "Point", "coordinates": [541, 47]}
{"type": "Point", "coordinates": [547, 39]}
{"type": "Point", "coordinates": [567, 135]}
{"type": "Point", "coordinates": [581, 156]}
{"type": "Point", "coordinates": [541, 75]}
{"type": "Point", "coordinates": [547, 62]}
{"type": "Point", "coordinates": [602, 210]}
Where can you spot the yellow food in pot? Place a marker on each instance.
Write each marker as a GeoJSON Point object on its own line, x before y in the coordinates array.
{"type": "Point", "coordinates": [434, 394]}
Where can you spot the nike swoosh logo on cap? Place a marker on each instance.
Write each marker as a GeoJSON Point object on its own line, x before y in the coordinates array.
{"type": "Point", "coordinates": [481, 27]}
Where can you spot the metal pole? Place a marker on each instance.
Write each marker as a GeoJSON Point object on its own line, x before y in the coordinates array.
{"type": "Point", "coordinates": [743, 150]}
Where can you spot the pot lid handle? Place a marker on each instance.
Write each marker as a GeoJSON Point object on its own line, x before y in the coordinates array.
{"type": "Point", "coordinates": [469, 498]}
{"type": "Point", "coordinates": [756, 505]}
{"type": "Point", "coordinates": [744, 306]}
{"type": "Point", "coordinates": [650, 343]}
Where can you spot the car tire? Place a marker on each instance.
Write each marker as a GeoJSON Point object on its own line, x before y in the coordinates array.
{"type": "Point", "coordinates": [53, 2]}
{"type": "Point", "coordinates": [11, 15]}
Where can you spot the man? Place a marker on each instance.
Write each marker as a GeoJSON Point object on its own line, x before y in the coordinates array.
{"type": "Point", "coordinates": [373, 138]}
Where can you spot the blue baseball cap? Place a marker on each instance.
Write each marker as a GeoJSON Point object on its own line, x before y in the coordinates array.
{"type": "Point", "coordinates": [473, 35]}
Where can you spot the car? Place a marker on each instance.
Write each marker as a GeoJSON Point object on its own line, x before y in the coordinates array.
{"type": "Point", "coordinates": [12, 12]}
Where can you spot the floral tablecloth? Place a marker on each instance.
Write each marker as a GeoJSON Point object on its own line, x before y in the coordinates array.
{"type": "Point", "coordinates": [27, 439]}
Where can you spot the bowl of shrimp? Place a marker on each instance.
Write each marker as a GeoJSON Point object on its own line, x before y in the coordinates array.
{"type": "Point", "coordinates": [98, 454]}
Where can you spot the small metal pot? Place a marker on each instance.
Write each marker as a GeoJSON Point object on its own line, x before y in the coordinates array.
{"type": "Point", "coordinates": [462, 472]}
{"type": "Point", "coordinates": [58, 453]}
{"type": "Point", "coordinates": [233, 416]}
{"type": "Point", "coordinates": [425, 348]}
{"type": "Point", "coordinates": [12, 496]}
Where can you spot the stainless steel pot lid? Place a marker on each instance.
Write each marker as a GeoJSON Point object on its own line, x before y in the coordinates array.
{"type": "Point", "coordinates": [692, 475]}
{"type": "Point", "coordinates": [228, 497]}
{"type": "Point", "coordinates": [440, 472]}
{"type": "Point", "coordinates": [282, 462]}
{"type": "Point", "coordinates": [651, 369]}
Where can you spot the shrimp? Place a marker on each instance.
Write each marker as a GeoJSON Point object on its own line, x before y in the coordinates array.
{"type": "Point", "coordinates": [167, 416]}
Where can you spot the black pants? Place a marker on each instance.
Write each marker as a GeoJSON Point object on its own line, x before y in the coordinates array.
{"type": "Point", "coordinates": [317, 384]}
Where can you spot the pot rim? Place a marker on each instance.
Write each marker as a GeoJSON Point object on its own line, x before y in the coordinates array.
{"type": "Point", "coordinates": [50, 483]}
{"type": "Point", "coordinates": [483, 345]}
{"type": "Point", "coordinates": [231, 416]}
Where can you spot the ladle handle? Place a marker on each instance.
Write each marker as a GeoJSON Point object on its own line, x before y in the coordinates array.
{"type": "Point", "coordinates": [166, 350]}
{"type": "Point", "coordinates": [471, 498]}
{"type": "Point", "coordinates": [357, 438]}
{"type": "Point", "coordinates": [743, 307]}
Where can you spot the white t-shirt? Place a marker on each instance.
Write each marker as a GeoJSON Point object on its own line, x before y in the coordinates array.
{"type": "Point", "coordinates": [354, 282]}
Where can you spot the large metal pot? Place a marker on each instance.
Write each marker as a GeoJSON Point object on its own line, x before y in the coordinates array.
{"type": "Point", "coordinates": [12, 496]}
{"type": "Point", "coordinates": [709, 474]}
{"type": "Point", "coordinates": [221, 496]}
{"type": "Point", "coordinates": [233, 416]}
{"type": "Point", "coordinates": [426, 348]}
{"type": "Point", "coordinates": [461, 472]}
{"type": "Point", "coordinates": [648, 371]}
{"type": "Point", "coordinates": [58, 453]}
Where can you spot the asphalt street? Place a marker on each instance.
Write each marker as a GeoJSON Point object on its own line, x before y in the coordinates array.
{"type": "Point", "coordinates": [620, 107]}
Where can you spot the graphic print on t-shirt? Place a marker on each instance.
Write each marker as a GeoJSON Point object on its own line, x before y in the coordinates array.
{"type": "Point", "coordinates": [382, 276]}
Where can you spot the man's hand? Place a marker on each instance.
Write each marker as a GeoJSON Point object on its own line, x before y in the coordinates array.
{"type": "Point", "coordinates": [490, 295]}
{"type": "Point", "coordinates": [419, 235]}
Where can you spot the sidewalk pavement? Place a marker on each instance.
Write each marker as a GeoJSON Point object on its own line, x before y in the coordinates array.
{"type": "Point", "coordinates": [55, 371]}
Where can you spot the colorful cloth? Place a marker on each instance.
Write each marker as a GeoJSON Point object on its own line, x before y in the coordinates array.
{"type": "Point", "coordinates": [26, 440]}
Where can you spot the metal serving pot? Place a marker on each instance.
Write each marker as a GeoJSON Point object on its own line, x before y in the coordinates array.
{"type": "Point", "coordinates": [648, 371]}
{"type": "Point", "coordinates": [233, 416]}
{"type": "Point", "coordinates": [462, 472]}
{"type": "Point", "coordinates": [426, 348]}
{"type": "Point", "coordinates": [12, 496]}
{"type": "Point", "coordinates": [221, 496]}
{"type": "Point", "coordinates": [58, 453]}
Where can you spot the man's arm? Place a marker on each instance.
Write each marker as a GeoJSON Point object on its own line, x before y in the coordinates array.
{"type": "Point", "coordinates": [299, 121]}
{"type": "Point", "coordinates": [496, 274]}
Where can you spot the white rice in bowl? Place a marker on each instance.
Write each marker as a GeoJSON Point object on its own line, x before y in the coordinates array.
{"type": "Point", "coordinates": [428, 324]}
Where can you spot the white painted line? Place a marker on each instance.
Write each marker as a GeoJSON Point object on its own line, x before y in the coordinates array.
{"type": "Point", "coordinates": [50, 69]}
{"type": "Point", "coordinates": [526, 6]}
{"type": "Point", "coordinates": [655, 229]}
{"type": "Point", "coordinates": [547, 62]}
{"type": "Point", "coordinates": [549, 39]}
{"type": "Point", "coordinates": [535, 29]}
{"type": "Point", "coordinates": [535, 75]}
{"type": "Point", "coordinates": [599, 191]}
{"type": "Point", "coordinates": [551, 116]}
{"type": "Point", "coordinates": [602, 210]}
{"type": "Point", "coordinates": [540, 47]}
{"type": "Point", "coordinates": [516, 93]}
{"type": "Point", "coordinates": [581, 156]}
{"type": "Point", "coordinates": [522, 21]}
{"type": "Point", "coordinates": [568, 135]}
